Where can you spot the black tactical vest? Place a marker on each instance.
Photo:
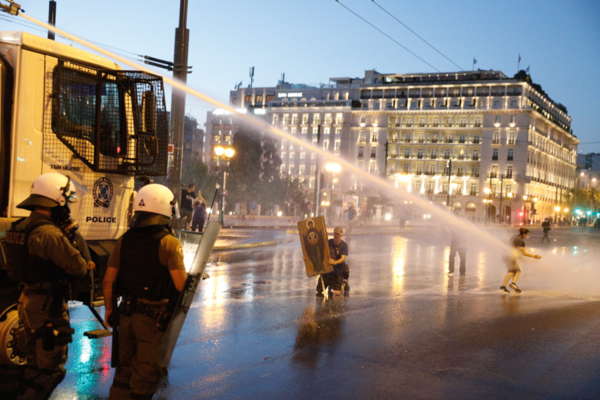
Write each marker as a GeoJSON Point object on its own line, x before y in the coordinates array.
{"type": "Point", "coordinates": [22, 266]}
{"type": "Point", "coordinates": [141, 273]}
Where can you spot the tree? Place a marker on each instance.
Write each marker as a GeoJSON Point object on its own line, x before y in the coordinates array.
{"type": "Point", "coordinates": [196, 172]}
{"type": "Point", "coordinates": [254, 173]}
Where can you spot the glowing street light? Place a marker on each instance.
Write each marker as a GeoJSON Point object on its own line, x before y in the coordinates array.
{"type": "Point", "coordinates": [333, 168]}
{"type": "Point", "coordinates": [223, 152]}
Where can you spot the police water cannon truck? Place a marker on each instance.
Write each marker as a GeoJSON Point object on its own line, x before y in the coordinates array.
{"type": "Point", "coordinates": [69, 111]}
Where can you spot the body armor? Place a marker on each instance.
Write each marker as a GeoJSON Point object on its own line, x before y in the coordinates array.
{"type": "Point", "coordinates": [141, 273]}
{"type": "Point", "coordinates": [20, 265]}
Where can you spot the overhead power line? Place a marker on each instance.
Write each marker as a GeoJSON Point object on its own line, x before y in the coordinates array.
{"type": "Point", "coordinates": [386, 35]}
{"type": "Point", "coordinates": [416, 34]}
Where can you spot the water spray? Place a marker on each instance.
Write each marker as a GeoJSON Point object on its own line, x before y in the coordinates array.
{"type": "Point", "coordinates": [14, 10]}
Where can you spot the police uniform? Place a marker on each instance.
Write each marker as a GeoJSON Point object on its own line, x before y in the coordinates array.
{"type": "Point", "coordinates": [49, 258]}
{"type": "Point", "coordinates": [144, 257]}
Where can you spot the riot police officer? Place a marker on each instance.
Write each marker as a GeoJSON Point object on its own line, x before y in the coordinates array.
{"type": "Point", "coordinates": [146, 268]}
{"type": "Point", "coordinates": [42, 254]}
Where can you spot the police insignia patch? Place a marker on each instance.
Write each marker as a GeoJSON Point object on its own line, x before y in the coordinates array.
{"type": "Point", "coordinates": [103, 192]}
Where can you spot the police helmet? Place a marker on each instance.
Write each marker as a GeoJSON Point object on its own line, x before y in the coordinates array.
{"type": "Point", "coordinates": [49, 190]}
{"type": "Point", "coordinates": [156, 199]}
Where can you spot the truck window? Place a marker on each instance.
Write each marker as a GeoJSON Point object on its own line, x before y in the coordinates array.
{"type": "Point", "coordinates": [76, 112]}
{"type": "Point", "coordinates": [112, 120]}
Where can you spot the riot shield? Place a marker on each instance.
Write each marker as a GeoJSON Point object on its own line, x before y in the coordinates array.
{"type": "Point", "coordinates": [209, 237]}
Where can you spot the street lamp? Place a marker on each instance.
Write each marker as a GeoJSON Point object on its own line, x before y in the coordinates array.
{"type": "Point", "coordinates": [488, 192]}
{"type": "Point", "coordinates": [556, 211]}
{"type": "Point", "coordinates": [333, 168]}
{"type": "Point", "coordinates": [223, 153]}
{"type": "Point", "coordinates": [510, 196]}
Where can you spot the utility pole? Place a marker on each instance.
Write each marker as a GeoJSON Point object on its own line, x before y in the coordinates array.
{"type": "Point", "coordinates": [51, 18]}
{"type": "Point", "coordinates": [182, 35]}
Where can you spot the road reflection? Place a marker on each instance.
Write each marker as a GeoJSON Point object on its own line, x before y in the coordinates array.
{"type": "Point", "coordinates": [320, 331]}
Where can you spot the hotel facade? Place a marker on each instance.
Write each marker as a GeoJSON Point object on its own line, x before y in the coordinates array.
{"type": "Point", "coordinates": [480, 143]}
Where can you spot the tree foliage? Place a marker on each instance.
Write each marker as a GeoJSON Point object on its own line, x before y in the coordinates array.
{"type": "Point", "coordinates": [253, 173]}
{"type": "Point", "coordinates": [196, 172]}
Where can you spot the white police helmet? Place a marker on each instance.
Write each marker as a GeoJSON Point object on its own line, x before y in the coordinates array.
{"type": "Point", "coordinates": [154, 198]}
{"type": "Point", "coordinates": [50, 190]}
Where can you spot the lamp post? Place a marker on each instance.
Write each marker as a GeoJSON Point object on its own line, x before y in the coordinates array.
{"type": "Point", "coordinates": [510, 196]}
{"type": "Point", "coordinates": [333, 168]}
{"type": "Point", "coordinates": [533, 209]}
{"type": "Point", "coordinates": [224, 153]}
{"type": "Point", "coordinates": [488, 192]}
{"type": "Point", "coordinates": [556, 211]}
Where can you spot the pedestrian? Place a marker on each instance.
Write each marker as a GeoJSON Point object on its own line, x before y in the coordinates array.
{"type": "Point", "coordinates": [401, 218]}
{"type": "Point", "coordinates": [517, 244]}
{"type": "Point", "coordinates": [252, 209]}
{"type": "Point", "coordinates": [350, 219]}
{"type": "Point", "coordinates": [546, 228]}
{"type": "Point", "coordinates": [44, 253]}
{"type": "Point", "coordinates": [458, 245]}
{"type": "Point", "coordinates": [187, 199]}
{"type": "Point", "coordinates": [337, 280]}
{"type": "Point", "coordinates": [147, 266]}
{"type": "Point", "coordinates": [243, 209]}
{"type": "Point", "coordinates": [199, 215]}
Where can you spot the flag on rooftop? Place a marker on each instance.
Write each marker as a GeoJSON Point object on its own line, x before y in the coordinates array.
{"type": "Point", "coordinates": [474, 61]}
{"type": "Point", "coordinates": [519, 58]}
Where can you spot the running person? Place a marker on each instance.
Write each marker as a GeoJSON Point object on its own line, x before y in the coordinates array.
{"type": "Point", "coordinates": [517, 243]}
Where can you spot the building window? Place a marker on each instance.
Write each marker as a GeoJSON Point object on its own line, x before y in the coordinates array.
{"type": "Point", "coordinates": [283, 168]}
{"type": "Point", "coordinates": [509, 187]}
{"type": "Point", "coordinates": [326, 144]}
{"type": "Point", "coordinates": [361, 150]}
{"type": "Point", "coordinates": [270, 97]}
{"type": "Point", "coordinates": [339, 119]}
{"type": "Point", "coordinates": [360, 164]}
{"type": "Point", "coordinates": [511, 138]}
{"type": "Point", "coordinates": [336, 96]}
{"type": "Point", "coordinates": [407, 138]}
{"type": "Point", "coordinates": [432, 169]}
{"type": "Point", "coordinates": [327, 119]}
{"type": "Point", "coordinates": [361, 137]}
{"type": "Point", "coordinates": [405, 167]}
{"type": "Point", "coordinates": [316, 119]}
{"type": "Point", "coordinates": [293, 130]}
{"type": "Point", "coordinates": [509, 172]}
{"type": "Point", "coordinates": [275, 119]}
{"type": "Point", "coordinates": [510, 154]}
{"type": "Point", "coordinates": [374, 136]}
{"type": "Point", "coordinates": [496, 138]}
{"type": "Point", "coordinates": [460, 170]}
{"type": "Point", "coordinates": [373, 168]}
{"type": "Point", "coordinates": [259, 98]}
{"type": "Point", "coordinates": [302, 156]}
{"type": "Point", "coordinates": [304, 130]}
{"type": "Point", "coordinates": [337, 145]}
{"type": "Point", "coordinates": [326, 96]}
{"type": "Point", "coordinates": [406, 153]}
{"type": "Point", "coordinates": [476, 138]}
{"type": "Point", "coordinates": [346, 95]}
{"type": "Point", "coordinates": [313, 156]}
{"type": "Point", "coordinates": [216, 138]}
{"type": "Point", "coordinates": [283, 153]}
{"type": "Point", "coordinates": [419, 169]}
{"type": "Point", "coordinates": [338, 131]}
{"type": "Point", "coordinates": [301, 169]}
{"type": "Point", "coordinates": [314, 141]}
{"type": "Point", "coordinates": [313, 169]}
{"type": "Point", "coordinates": [248, 98]}
{"type": "Point", "coordinates": [473, 189]}
{"type": "Point", "coordinates": [304, 119]}
{"type": "Point", "coordinates": [495, 154]}
{"type": "Point", "coordinates": [311, 183]}
{"type": "Point", "coordinates": [291, 170]}
{"type": "Point", "coordinates": [373, 152]}
{"type": "Point", "coordinates": [292, 155]}
{"type": "Point", "coordinates": [286, 119]}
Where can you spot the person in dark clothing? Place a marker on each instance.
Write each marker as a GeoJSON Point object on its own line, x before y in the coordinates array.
{"type": "Point", "coordinates": [337, 280]}
{"type": "Point", "coordinates": [546, 228]}
{"type": "Point", "coordinates": [517, 244]}
{"type": "Point", "coordinates": [187, 199]}
{"type": "Point", "coordinates": [458, 245]}
{"type": "Point", "coordinates": [199, 215]}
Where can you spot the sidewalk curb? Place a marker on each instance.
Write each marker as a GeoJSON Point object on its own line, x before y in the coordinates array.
{"type": "Point", "coordinates": [245, 245]}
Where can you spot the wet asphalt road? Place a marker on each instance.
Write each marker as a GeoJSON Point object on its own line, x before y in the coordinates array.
{"type": "Point", "coordinates": [407, 330]}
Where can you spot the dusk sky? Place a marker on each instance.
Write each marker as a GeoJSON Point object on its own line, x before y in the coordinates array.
{"type": "Point", "coordinates": [313, 40]}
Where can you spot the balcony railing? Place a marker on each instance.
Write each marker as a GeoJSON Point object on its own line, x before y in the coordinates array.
{"type": "Point", "coordinates": [495, 141]}
{"type": "Point", "coordinates": [494, 158]}
{"type": "Point", "coordinates": [509, 158]}
{"type": "Point", "coordinates": [462, 141]}
{"type": "Point", "coordinates": [421, 140]}
{"type": "Point", "coordinates": [476, 141]}
{"type": "Point", "coordinates": [511, 141]}
{"type": "Point", "coordinates": [475, 158]}
{"type": "Point", "coordinates": [449, 140]}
